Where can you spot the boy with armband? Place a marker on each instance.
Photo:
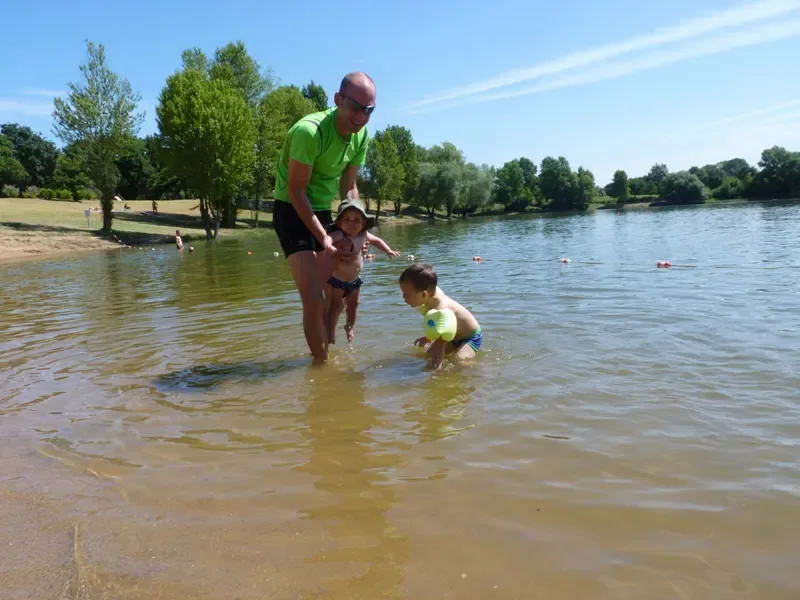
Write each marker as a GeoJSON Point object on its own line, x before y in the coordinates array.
{"type": "Point", "coordinates": [450, 329]}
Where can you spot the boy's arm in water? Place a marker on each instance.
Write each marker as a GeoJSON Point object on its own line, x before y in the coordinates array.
{"type": "Point", "coordinates": [383, 246]}
{"type": "Point", "coordinates": [436, 351]}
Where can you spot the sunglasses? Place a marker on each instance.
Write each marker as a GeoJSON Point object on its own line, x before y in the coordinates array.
{"type": "Point", "coordinates": [357, 106]}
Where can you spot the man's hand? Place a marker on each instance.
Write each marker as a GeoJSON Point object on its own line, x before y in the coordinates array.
{"type": "Point", "coordinates": [422, 342]}
{"type": "Point", "coordinates": [327, 246]}
{"type": "Point", "coordinates": [393, 253]}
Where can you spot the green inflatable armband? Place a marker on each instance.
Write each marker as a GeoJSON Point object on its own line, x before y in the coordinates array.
{"type": "Point", "coordinates": [440, 324]}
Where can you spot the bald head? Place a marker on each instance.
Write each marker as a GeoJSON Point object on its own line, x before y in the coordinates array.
{"type": "Point", "coordinates": [355, 101]}
{"type": "Point", "coordinates": [356, 81]}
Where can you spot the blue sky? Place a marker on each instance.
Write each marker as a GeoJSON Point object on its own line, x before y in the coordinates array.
{"type": "Point", "coordinates": [608, 85]}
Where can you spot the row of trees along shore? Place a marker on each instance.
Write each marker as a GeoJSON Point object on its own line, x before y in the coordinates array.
{"type": "Point", "coordinates": [221, 121]}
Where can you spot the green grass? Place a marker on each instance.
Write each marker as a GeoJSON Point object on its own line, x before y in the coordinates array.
{"type": "Point", "coordinates": [68, 217]}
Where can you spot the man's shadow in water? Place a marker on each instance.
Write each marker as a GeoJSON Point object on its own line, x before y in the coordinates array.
{"type": "Point", "coordinates": [202, 378]}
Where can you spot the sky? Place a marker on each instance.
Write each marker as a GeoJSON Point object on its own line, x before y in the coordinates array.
{"type": "Point", "coordinates": [620, 84]}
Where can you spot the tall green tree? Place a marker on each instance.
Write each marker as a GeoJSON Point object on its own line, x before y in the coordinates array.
{"type": "Point", "coordinates": [208, 139]}
{"type": "Point", "coordinates": [37, 155]}
{"type": "Point", "coordinates": [779, 176]}
{"type": "Point", "coordinates": [316, 93]}
{"type": "Point", "coordinates": [620, 188]}
{"type": "Point", "coordinates": [475, 190]}
{"type": "Point", "coordinates": [385, 170]}
{"type": "Point", "coordinates": [558, 183]}
{"type": "Point", "coordinates": [448, 184]}
{"type": "Point", "coordinates": [427, 193]}
{"type": "Point", "coordinates": [407, 152]}
{"type": "Point", "coordinates": [70, 173]}
{"type": "Point", "coordinates": [583, 189]}
{"type": "Point", "coordinates": [444, 153]}
{"type": "Point", "coordinates": [11, 170]}
{"type": "Point", "coordinates": [655, 177]}
{"type": "Point", "coordinates": [510, 184]}
{"type": "Point", "coordinates": [100, 113]}
{"type": "Point", "coordinates": [137, 172]}
{"type": "Point", "coordinates": [275, 114]}
{"type": "Point", "coordinates": [234, 65]}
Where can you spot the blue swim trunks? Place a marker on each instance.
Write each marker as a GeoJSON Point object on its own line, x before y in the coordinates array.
{"type": "Point", "coordinates": [473, 341]}
{"type": "Point", "coordinates": [348, 287]}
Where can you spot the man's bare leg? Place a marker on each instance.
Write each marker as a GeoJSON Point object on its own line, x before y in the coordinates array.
{"type": "Point", "coordinates": [335, 307]}
{"type": "Point", "coordinates": [305, 272]}
{"type": "Point", "coordinates": [351, 302]}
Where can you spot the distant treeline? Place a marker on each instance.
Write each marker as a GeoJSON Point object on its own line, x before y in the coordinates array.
{"type": "Point", "coordinates": [222, 119]}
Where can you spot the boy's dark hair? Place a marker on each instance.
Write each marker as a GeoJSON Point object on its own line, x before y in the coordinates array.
{"type": "Point", "coordinates": [422, 277]}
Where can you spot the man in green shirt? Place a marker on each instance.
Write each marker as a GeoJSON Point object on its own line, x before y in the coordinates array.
{"type": "Point", "coordinates": [320, 156]}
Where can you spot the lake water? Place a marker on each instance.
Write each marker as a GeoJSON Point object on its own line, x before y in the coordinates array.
{"type": "Point", "coordinates": [628, 432]}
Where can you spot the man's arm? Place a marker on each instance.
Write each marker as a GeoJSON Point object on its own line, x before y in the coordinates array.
{"type": "Point", "coordinates": [347, 183]}
{"type": "Point", "coordinates": [383, 246]}
{"type": "Point", "coordinates": [299, 176]}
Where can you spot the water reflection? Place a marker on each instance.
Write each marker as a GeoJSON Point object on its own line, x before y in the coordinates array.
{"type": "Point", "coordinates": [351, 466]}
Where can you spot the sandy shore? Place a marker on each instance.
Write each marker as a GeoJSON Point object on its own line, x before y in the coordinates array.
{"type": "Point", "coordinates": [23, 245]}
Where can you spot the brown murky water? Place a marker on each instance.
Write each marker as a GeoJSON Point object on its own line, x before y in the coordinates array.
{"type": "Point", "coordinates": [628, 432]}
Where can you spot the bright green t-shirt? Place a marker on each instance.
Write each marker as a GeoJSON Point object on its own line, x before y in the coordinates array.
{"type": "Point", "coordinates": [314, 140]}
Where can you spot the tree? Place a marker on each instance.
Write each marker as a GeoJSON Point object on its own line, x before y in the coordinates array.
{"type": "Point", "coordinates": [385, 170]}
{"type": "Point", "coordinates": [234, 65]}
{"type": "Point", "coordinates": [476, 189]}
{"type": "Point", "coordinates": [101, 114]}
{"type": "Point", "coordinates": [11, 170]}
{"type": "Point", "coordinates": [582, 189]}
{"type": "Point", "coordinates": [446, 152]}
{"type": "Point", "coordinates": [620, 189]}
{"type": "Point", "coordinates": [640, 186]}
{"type": "Point", "coordinates": [407, 152]}
{"type": "Point", "coordinates": [164, 185]}
{"type": "Point", "coordinates": [275, 114]}
{"type": "Point", "coordinates": [208, 139]}
{"type": "Point", "coordinates": [656, 176]}
{"type": "Point", "coordinates": [684, 188]}
{"type": "Point", "coordinates": [738, 168]}
{"type": "Point", "coordinates": [37, 155]}
{"type": "Point", "coordinates": [510, 184]}
{"type": "Point", "coordinates": [427, 196]}
{"type": "Point", "coordinates": [712, 176]}
{"type": "Point", "coordinates": [316, 93]}
{"type": "Point", "coordinates": [448, 184]}
{"type": "Point", "coordinates": [70, 173]}
{"type": "Point", "coordinates": [531, 181]}
{"type": "Point", "coordinates": [779, 176]}
{"type": "Point", "coordinates": [557, 182]}
{"type": "Point", "coordinates": [137, 173]}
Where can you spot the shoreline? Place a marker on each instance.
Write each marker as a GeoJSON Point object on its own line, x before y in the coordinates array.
{"type": "Point", "coordinates": [18, 245]}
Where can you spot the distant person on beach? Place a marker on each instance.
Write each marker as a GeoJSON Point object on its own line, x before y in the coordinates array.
{"type": "Point", "coordinates": [350, 231]}
{"type": "Point", "coordinates": [155, 207]}
{"type": "Point", "coordinates": [419, 284]}
{"type": "Point", "coordinates": [320, 156]}
{"type": "Point", "coordinates": [178, 240]}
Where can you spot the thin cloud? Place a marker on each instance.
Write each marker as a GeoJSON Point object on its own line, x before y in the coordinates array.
{"type": "Point", "coordinates": [741, 117]}
{"type": "Point", "coordinates": [714, 45]}
{"type": "Point", "coordinates": [734, 17]}
{"type": "Point", "coordinates": [30, 109]}
{"type": "Point", "coordinates": [43, 92]}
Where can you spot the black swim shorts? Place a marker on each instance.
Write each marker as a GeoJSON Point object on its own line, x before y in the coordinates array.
{"type": "Point", "coordinates": [293, 235]}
